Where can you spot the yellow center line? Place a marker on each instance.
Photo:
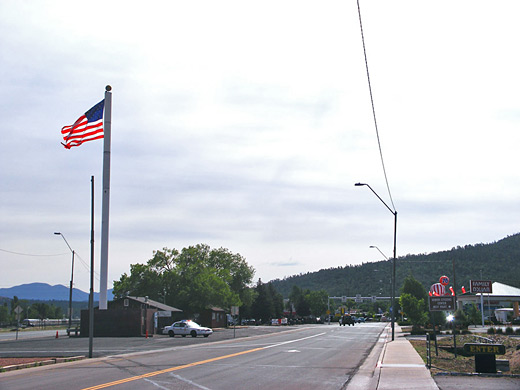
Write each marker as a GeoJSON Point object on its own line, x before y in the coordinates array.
{"type": "Point", "coordinates": [154, 373]}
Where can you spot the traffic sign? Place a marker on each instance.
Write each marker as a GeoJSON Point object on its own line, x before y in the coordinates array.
{"type": "Point", "coordinates": [18, 310]}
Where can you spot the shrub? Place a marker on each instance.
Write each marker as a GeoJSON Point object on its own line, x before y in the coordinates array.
{"type": "Point", "coordinates": [499, 331]}
{"type": "Point", "coordinates": [509, 330]}
{"type": "Point", "coordinates": [491, 331]}
{"type": "Point", "coordinates": [517, 331]}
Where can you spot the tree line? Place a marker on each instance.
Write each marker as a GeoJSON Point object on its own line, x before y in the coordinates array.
{"type": "Point", "coordinates": [30, 309]}
{"type": "Point", "coordinates": [198, 277]}
{"type": "Point", "coordinates": [496, 261]}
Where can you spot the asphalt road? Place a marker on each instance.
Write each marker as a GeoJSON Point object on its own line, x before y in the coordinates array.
{"type": "Point", "coordinates": [302, 357]}
{"type": "Point", "coordinates": [28, 334]}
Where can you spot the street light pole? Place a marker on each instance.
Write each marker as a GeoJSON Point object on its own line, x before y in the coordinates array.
{"type": "Point", "coordinates": [373, 246]}
{"type": "Point", "coordinates": [394, 212]}
{"type": "Point", "coordinates": [71, 280]}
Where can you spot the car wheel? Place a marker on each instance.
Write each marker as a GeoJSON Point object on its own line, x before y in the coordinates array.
{"type": "Point", "coordinates": [183, 335]}
{"type": "Point", "coordinates": [193, 333]}
{"type": "Point", "coordinates": [206, 335]}
{"type": "Point", "coordinates": [171, 334]}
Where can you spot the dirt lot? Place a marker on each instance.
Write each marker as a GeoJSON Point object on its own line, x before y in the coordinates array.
{"type": "Point", "coordinates": [446, 361]}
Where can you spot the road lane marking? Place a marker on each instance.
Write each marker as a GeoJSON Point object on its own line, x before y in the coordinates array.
{"type": "Point", "coordinates": [294, 341]}
{"type": "Point", "coordinates": [155, 373]}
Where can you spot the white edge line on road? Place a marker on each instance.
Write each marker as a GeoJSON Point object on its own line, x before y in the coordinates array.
{"type": "Point", "coordinates": [294, 341]}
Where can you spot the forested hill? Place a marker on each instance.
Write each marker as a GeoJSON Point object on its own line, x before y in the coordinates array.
{"type": "Point", "coordinates": [498, 262]}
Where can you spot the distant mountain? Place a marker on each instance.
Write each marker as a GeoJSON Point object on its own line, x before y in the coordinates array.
{"type": "Point", "coordinates": [498, 261]}
{"type": "Point", "coordinates": [46, 292]}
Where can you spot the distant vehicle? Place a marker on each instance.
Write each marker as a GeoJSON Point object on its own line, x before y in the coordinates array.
{"type": "Point", "coordinates": [30, 322]}
{"type": "Point", "coordinates": [360, 319]}
{"type": "Point", "coordinates": [186, 327]}
{"type": "Point", "coordinates": [250, 321]}
{"type": "Point", "coordinates": [279, 321]}
{"type": "Point", "coordinates": [346, 319]}
{"type": "Point", "coordinates": [230, 320]}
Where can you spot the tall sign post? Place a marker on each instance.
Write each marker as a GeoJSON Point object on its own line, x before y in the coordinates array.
{"type": "Point", "coordinates": [234, 314]}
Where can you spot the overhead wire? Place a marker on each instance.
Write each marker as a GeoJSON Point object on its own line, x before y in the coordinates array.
{"type": "Point", "coordinates": [30, 254]}
{"type": "Point", "coordinates": [83, 262]}
{"type": "Point", "coordinates": [373, 106]}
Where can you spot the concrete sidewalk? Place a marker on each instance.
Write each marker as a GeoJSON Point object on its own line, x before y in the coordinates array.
{"type": "Point", "coordinates": [393, 365]}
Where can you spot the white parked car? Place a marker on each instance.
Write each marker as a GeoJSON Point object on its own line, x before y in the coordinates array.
{"type": "Point", "coordinates": [186, 327]}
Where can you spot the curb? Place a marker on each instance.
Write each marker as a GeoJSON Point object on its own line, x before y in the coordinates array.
{"type": "Point", "coordinates": [40, 363]}
{"type": "Point", "coordinates": [475, 374]}
{"type": "Point", "coordinates": [367, 375]}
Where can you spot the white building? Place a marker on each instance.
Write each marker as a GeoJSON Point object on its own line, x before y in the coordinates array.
{"type": "Point", "coordinates": [502, 297]}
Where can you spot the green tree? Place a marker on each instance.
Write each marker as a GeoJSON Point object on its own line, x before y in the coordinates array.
{"type": "Point", "coordinates": [317, 302]}
{"type": "Point", "coordinates": [42, 310]}
{"type": "Point", "coordinates": [414, 310]}
{"type": "Point", "coordinates": [14, 304]}
{"type": "Point", "coordinates": [461, 319]}
{"type": "Point", "coordinates": [4, 313]}
{"type": "Point", "coordinates": [247, 297]}
{"type": "Point", "coordinates": [473, 314]}
{"type": "Point", "coordinates": [414, 301]}
{"type": "Point", "coordinates": [263, 307]}
{"type": "Point", "coordinates": [413, 287]}
{"type": "Point", "coordinates": [277, 301]}
{"type": "Point", "coordinates": [299, 301]}
{"type": "Point", "coordinates": [192, 279]}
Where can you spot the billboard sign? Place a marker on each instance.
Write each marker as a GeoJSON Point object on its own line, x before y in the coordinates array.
{"type": "Point", "coordinates": [481, 286]}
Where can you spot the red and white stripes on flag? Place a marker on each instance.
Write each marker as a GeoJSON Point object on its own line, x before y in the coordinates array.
{"type": "Point", "coordinates": [88, 127]}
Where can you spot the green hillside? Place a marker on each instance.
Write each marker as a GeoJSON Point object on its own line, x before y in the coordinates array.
{"type": "Point", "coordinates": [498, 261]}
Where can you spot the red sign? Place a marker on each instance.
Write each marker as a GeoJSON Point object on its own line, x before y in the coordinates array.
{"type": "Point", "coordinates": [481, 286]}
{"type": "Point", "coordinates": [444, 280]}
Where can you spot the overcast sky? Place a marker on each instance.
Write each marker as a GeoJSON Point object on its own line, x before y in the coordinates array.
{"type": "Point", "coordinates": [245, 125]}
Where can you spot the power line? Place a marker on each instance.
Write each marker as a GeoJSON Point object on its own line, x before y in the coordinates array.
{"type": "Point", "coordinates": [87, 267]}
{"type": "Point", "coordinates": [30, 254]}
{"type": "Point", "coordinates": [373, 106]}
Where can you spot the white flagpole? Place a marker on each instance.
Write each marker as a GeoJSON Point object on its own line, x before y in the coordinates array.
{"type": "Point", "coordinates": [106, 199]}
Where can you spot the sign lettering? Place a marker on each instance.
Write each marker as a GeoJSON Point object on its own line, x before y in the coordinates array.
{"type": "Point", "coordinates": [485, 349]}
{"type": "Point", "coordinates": [442, 303]}
{"type": "Point", "coordinates": [481, 286]}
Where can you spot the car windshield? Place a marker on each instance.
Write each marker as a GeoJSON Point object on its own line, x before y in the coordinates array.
{"type": "Point", "coordinates": [192, 324]}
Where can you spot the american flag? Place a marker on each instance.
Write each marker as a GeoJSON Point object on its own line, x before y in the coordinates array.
{"type": "Point", "coordinates": [88, 127]}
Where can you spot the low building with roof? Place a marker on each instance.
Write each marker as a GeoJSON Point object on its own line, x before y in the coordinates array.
{"type": "Point", "coordinates": [501, 297]}
{"type": "Point", "coordinates": [130, 316]}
